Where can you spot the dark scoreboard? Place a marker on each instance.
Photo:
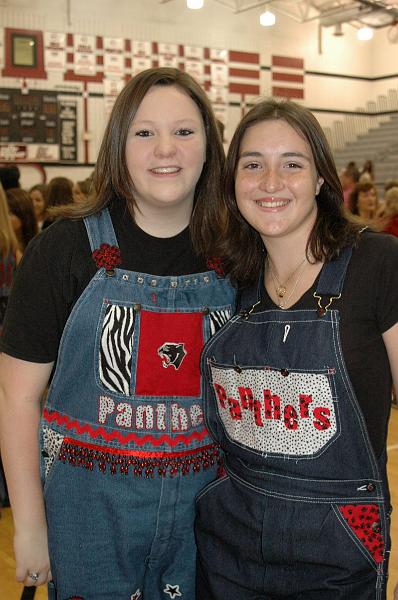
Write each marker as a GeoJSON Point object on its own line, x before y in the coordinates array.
{"type": "Point", "coordinates": [37, 126]}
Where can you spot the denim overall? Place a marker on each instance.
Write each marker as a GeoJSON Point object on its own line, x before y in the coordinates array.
{"type": "Point", "coordinates": [123, 441]}
{"type": "Point", "coordinates": [303, 510]}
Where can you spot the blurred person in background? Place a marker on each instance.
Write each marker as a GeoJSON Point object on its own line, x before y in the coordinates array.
{"type": "Point", "coordinates": [81, 189]}
{"type": "Point", "coordinates": [38, 194]}
{"type": "Point", "coordinates": [364, 201]}
{"type": "Point", "coordinates": [367, 174]}
{"type": "Point", "coordinates": [22, 216]}
{"type": "Point", "coordinates": [59, 193]}
{"type": "Point", "coordinates": [349, 178]}
{"type": "Point", "coordinates": [390, 221]}
{"type": "Point", "coordinates": [9, 177]}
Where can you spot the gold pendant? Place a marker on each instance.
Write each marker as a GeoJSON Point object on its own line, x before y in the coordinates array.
{"type": "Point", "coordinates": [281, 291]}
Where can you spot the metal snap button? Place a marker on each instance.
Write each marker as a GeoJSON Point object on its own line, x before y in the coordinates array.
{"type": "Point", "coordinates": [140, 280]}
{"type": "Point", "coordinates": [284, 372]}
{"type": "Point", "coordinates": [237, 369]}
{"type": "Point", "coordinates": [110, 272]}
{"type": "Point", "coordinates": [206, 310]}
{"type": "Point", "coordinates": [174, 284]}
{"type": "Point", "coordinates": [206, 279]}
{"type": "Point", "coordinates": [153, 282]}
{"type": "Point", "coordinates": [137, 307]}
{"type": "Point", "coordinates": [125, 277]}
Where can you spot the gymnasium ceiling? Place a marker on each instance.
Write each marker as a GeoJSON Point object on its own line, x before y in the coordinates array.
{"type": "Point", "coordinates": [358, 13]}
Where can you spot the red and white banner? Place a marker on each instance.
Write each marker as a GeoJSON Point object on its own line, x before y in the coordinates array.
{"type": "Point", "coordinates": [287, 76]}
{"type": "Point", "coordinates": [244, 73]}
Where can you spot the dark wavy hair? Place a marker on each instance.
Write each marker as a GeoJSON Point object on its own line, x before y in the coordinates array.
{"type": "Point", "coordinates": [59, 192]}
{"type": "Point", "coordinates": [20, 204]}
{"type": "Point", "coordinates": [111, 178]}
{"type": "Point", "coordinates": [240, 246]}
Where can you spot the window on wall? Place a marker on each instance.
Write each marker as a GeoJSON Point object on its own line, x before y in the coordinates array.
{"type": "Point", "coordinates": [23, 54]}
{"type": "Point", "coordinates": [23, 50]}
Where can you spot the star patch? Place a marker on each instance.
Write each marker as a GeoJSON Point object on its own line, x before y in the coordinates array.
{"type": "Point", "coordinates": [172, 590]}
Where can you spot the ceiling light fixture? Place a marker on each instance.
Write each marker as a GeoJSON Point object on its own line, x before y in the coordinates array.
{"type": "Point", "coordinates": [195, 4]}
{"type": "Point", "coordinates": [365, 33]}
{"type": "Point", "coordinates": [267, 19]}
{"type": "Point", "coordinates": [338, 30]}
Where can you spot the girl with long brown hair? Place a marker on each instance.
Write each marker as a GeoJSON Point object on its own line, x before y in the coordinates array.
{"type": "Point", "coordinates": [118, 298]}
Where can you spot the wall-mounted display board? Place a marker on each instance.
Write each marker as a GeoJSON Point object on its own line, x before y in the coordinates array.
{"type": "Point", "coordinates": [37, 126]}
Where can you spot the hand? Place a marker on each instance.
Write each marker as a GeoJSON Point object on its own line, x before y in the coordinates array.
{"type": "Point", "coordinates": [31, 555]}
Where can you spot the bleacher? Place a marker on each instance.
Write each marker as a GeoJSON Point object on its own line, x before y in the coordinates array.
{"type": "Point", "coordinates": [372, 135]}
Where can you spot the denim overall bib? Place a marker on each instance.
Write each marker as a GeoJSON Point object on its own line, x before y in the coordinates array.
{"type": "Point", "coordinates": [123, 441]}
{"type": "Point", "coordinates": [303, 511]}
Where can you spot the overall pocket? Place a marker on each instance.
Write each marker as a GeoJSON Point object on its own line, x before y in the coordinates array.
{"type": "Point", "coordinates": [274, 411]}
{"type": "Point", "coordinates": [153, 352]}
{"type": "Point", "coordinates": [362, 523]}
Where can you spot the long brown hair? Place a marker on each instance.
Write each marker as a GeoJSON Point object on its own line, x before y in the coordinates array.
{"type": "Point", "coordinates": [21, 205]}
{"type": "Point", "coordinates": [8, 241]}
{"type": "Point", "coordinates": [111, 178]}
{"type": "Point", "coordinates": [240, 245]}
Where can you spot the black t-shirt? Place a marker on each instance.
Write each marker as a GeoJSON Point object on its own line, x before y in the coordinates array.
{"type": "Point", "coordinates": [368, 307]}
{"type": "Point", "coordinates": [57, 266]}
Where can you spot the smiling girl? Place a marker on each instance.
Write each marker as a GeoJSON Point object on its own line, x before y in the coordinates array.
{"type": "Point", "coordinates": [117, 297]}
{"type": "Point", "coordinates": [298, 384]}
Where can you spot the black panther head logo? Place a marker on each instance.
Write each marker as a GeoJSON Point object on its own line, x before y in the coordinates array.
{"type": "Point", "coordinates": [172, 354]}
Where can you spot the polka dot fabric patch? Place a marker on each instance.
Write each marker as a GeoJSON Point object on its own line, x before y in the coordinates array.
{"type": "Point", "coordinates": [279, 412]}
{"type": "Point", "coordinates": [364, 521]}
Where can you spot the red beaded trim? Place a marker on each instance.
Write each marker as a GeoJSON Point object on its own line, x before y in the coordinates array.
{"type": "Point", "coordinates": [107, 256]}
{"type": "Point", "coordinates": [149, 466]}
{"type": "Point", "coordinates": [364, 521]}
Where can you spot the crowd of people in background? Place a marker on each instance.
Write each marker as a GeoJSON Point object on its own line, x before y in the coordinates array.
{"type": "Point", "coordinates": [361, 197]}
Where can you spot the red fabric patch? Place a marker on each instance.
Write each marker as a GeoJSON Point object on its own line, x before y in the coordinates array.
{"type": "Point", "coordinates": [364, 520]}
{"type": "Point", "coordinates": [169, 352]}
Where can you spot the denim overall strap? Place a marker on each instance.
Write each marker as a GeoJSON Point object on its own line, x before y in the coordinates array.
{"type": "Point", "coordinates": [250, 296]}
{"type": "Point", "coordinates": [100, 229]}
{"type": "Point", "coordinates": [332, 275]}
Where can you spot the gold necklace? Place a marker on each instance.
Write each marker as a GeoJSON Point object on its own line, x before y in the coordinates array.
{"type": "Point", "coordinates": [281, 289]}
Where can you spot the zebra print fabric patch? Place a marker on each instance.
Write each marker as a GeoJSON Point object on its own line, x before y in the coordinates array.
{"type": "Point", "coordinates": [116, 347]}
{"type": "Point", "coordinates": [218, 318]}
{"type": "Point", "coordinates": [52, 442]}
